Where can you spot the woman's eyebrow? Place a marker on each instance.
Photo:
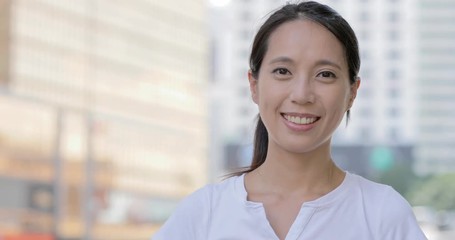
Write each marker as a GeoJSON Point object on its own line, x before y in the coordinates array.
{"type": "Point", "coordinates": [284, 59]}
{"type": "Point", "coordinates": [327, 62]}
{"type": "Point", "coordinates": [281, 60]}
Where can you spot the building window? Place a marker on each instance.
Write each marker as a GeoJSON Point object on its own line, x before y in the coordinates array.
{"type": "Point", "coordinates": [393, 133]}
{"type": "Point", "coordinates": [393, 35]}
{"type": "Point", "coordinates": [393, 74]}
{"type": "Point", "coordinates": [393, 112]}
{"type": "Point", "coordinates": [393, 17]}
{"type": "Point", "coordinates": [393, 54]}
{"type": "Point", "coordinates": [393, 93]}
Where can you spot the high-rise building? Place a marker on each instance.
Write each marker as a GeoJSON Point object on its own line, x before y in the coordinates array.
{"type": "Point", "coordinates": [383, 116]}
{"type": "Point", "coordinates": [104, 114]}
{"type": "Point", "coordinates": [436, 80]}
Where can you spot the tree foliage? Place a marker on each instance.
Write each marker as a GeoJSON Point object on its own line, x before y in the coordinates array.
{"type": "Point", "coordinates": [437, 192]}
{"type": "Point", "coordinates": [400, 177]}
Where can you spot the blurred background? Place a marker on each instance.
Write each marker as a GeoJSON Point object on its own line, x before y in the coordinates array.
{"type": "Point", "coordinates": [111, 111]}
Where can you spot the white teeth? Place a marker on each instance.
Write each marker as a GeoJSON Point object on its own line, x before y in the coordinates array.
{"type": "Point", "coordinates": [299, 120]}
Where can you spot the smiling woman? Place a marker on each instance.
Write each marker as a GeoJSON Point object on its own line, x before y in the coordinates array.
{"type": "Point", "coordinates": [303, 77]}
{"type": "Point", "coordinates": [302, 88]}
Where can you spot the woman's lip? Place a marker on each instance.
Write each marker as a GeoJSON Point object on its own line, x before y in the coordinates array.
{"type": "Point", "coordinates": [301, 115]}
{"type": "Point", "coordinates": [301, 127]}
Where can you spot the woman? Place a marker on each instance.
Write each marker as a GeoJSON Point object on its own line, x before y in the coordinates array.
{"type": "Point", "coordinates": [303, 77]}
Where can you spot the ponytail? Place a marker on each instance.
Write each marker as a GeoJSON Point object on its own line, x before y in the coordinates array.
{"type": "Point", "coordinates": [261, 143]}
{"type": "Point", "coordinates": [260, 146]}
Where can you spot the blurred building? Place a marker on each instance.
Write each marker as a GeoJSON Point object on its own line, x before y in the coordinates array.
{"type": "Point", "coordinates": [383, 116]}
{"type": "Point", "coordinates": [104, 115]}
{"type": "Point", "coordinates": [435, 151]}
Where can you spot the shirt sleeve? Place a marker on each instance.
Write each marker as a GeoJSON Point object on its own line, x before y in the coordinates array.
{"type": "Point", "coordinates": [398, 221]}
{"type": "Point", "coordinates": [190, 219]}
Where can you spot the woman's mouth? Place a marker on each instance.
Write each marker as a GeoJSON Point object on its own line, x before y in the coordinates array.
{"type": "Point", "coordinates": [301, 120]}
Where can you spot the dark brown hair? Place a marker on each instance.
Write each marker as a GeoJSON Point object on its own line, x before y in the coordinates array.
{"type": "Point", "coordinates": [313, 11]}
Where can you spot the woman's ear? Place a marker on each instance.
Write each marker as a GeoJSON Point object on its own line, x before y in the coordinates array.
{"type": "Point", "coordinates": [253, 87]}
{"type": "Point", "coordinates": [354, 87]}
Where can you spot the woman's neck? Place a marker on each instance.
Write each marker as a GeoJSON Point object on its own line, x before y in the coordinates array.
{"type": "Point", "coordinates": [313, 173]}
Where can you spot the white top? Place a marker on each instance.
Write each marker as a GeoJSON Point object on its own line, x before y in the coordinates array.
{"type": "Point", "coordinates": [357, 209]}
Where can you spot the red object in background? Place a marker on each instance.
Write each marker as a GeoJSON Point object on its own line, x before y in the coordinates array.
{"type": "Point", "coordinates": [27, 237]}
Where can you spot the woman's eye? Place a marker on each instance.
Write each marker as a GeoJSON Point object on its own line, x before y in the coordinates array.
{"type": "Point", "coordinates": [281, 71]}
{"type": "Point", "coordinates": [326, 74]}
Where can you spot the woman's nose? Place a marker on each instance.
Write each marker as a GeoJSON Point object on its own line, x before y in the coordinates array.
{"type": "Point", "coordinates": [302, 91]}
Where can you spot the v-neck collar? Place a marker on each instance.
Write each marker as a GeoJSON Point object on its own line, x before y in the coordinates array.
{"type": "Point", "coordinates": [242, 194]}
{"type": "Point", "coordinates": [306, 210]}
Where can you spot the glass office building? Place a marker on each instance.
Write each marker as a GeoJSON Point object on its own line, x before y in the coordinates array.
{"type": "Point", "coordinates": [104, 115]}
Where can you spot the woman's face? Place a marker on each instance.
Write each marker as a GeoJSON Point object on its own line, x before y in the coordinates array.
{"type": "Point", "coordinates": [303, 89]}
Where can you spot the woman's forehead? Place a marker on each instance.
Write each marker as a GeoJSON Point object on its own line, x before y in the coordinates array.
{"type": "Point", "coordinates": [305, 38]}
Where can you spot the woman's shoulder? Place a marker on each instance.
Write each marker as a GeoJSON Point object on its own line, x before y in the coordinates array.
{"type": "Point", "coordinates": [211, 191]}
{"type": "Point", "coordinates": [379, 194]}
{"type": "Point", "coordinates": [388, 210]}
{"type": "Point", "coordinates": [191, 218]}
{"type": "Point", "coordinates": [372, 189]}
